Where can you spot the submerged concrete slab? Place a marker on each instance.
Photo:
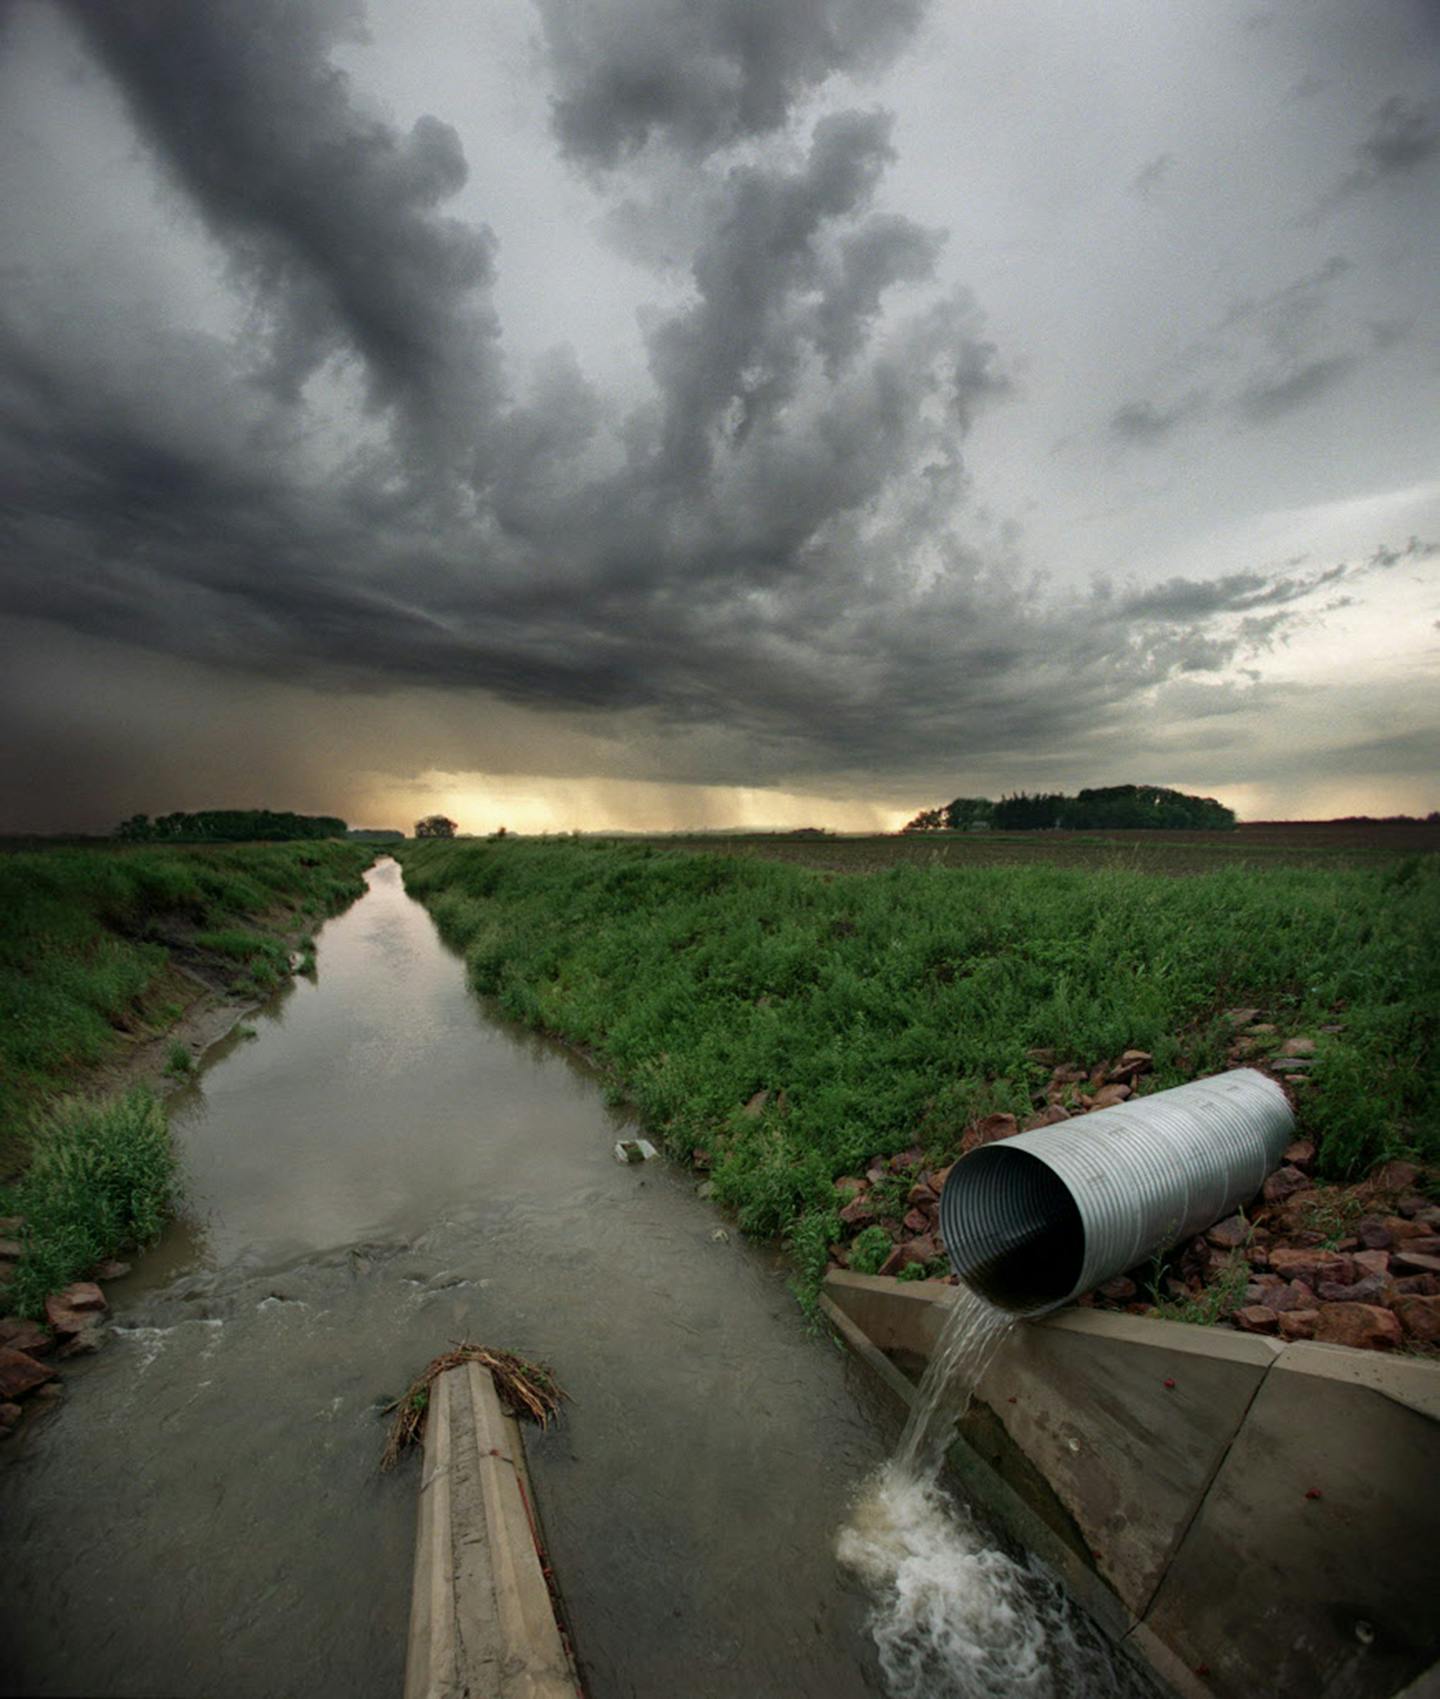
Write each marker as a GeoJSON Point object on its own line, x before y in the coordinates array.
{"type": "Point", "coordinates": [1316, 1554]}
{"type": "Point", "coordinates": [481, 1619]}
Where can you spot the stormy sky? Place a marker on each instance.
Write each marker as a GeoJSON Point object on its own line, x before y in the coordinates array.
{"type": "Point", "coordinates": [665, 413]}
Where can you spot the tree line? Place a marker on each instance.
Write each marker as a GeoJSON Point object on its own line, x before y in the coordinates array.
{"type": "Point", "coordinates": [228, 825]}
{"type": "Point", "coordinates": [1108, 807]}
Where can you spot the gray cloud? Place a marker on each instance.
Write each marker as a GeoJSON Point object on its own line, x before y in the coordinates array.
{"type": "Point", "coordinates": [1150, 178]}
{"type": "Point", "coordinates": [1274, 395]}
{"type": "Point", "coordinates": [703, 74]}
{"type": "Point", "coordinates": [1152, 422]}
{"type": "Point", "coordinates": [328, 213]}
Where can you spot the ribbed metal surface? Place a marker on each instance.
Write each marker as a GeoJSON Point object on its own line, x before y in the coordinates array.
{"type": "Point", "coordinates": [1037, 1219]}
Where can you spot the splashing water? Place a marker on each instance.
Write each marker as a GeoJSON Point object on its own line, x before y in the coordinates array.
{"type": "Point", "coordinates": [954, 1617]}
{"type": "Point", "coordinates": [957, 1619]}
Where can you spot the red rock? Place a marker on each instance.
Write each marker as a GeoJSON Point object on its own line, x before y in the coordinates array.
{"type": "Point", "coordinates": [1067, 1075]}
{"type": "Point", "coordinates": [1255, 1318]}
{"type": "Point", "coordinates": [1231, 1233]}
{"type": "Point", "coordinates": [917, 1221]}
{"type": "Point", "coordinates": [12, 1226]}
{"type": "Point", "coordinates": [27, 1336]}
{"type": "Point", "coordinates": [1400, 1228]}
{"type": "Point", "coordinates": [1371, 1289]}
{"type": "Point", "coordinates": [1284, 1183]}
{"type": "Point", "coordinates": [1426, 1247]}
{"type": "Point", "coordinates": [1258, 1256]}
{"type": "Point", "coordinates": [1298, 1324]}
{"type": "Point", "coordinates": [1419, 1318]}
{"type": "Point", "coordinates": [1396, 1177]}
{"type": "Point", "coordinates": [920, 1194]}
{"type": "Point", "coordinates": [1412, 1262]}
{"type": "Point", "coordinates": [1365, 1326]}
{"type": "Point", "coordinates": [19, 1372]}
{"type": "Point", "coordinates": [905, 1160]}
{"type": "Point", "coordinates": [111, 1269]}
{"type": "Point", "coordinates": [989, 1130]}
{"type": "Point", "coordinates": [1130, 1066]}
{"type": "Point", "coordinates": [756, 1104]}
{"type": "Point", "coordinates": [1301, 1154]}
{"type": "Point", "coordinates": [75, 1307]}
{"type": "Point", "coordinates": [1294, 1295]}
{"type": "Point", "coordinates": [849, 1184]}
{"type": "Point", "coordinates": [910, 1251]}
{"type": "Point", "coordinates": [1039, 1053]}
{"type": "Point", "coordinates": [1418, 1285]}
{"type": "Point", "coordinates": [1298, 1047]}
{"type": "Point", "coordinates": [840, 1256]}
{"type": "Point", "coordinates": [1374, 1234]}
{"type": "Point", "coordinates": [859, 1212]}
{"type": "Point", "coordinates": [939, 1177]}
{"type": "Point", "coordinates": [1050, 1116]}
{"type": "Point", "coordinates": [1311, 1265]}
{"type": "Point", "coordinates": [10, 1250]}
{"type": "Point", "coordinates": [1262, 1029]}
{"type": "Point", "coordinates": [701, 1159]}
{"type": "Point", "coordinates": [89, 1338]}
{"type": "Point", "coordinates": [1109, 1095]}
{"type": "Point", "coordinates": [1428, 1214]}
{"type": "Point", "coordinates": [1372, 1262]}
{"type": "Point", "coordinates": [1120, 1290]}
{"type": "Point", "coordinates": [1241, 1017]}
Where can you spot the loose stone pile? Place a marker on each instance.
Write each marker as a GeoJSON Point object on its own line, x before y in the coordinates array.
{"type": "Point", "coordinates": [74, 1325]}
{"type": "Point", "coordinates": [1355, 1264]}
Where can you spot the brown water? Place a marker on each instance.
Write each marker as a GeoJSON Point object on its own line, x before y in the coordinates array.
{"type": "Point", "coordinates": [384, 1170]}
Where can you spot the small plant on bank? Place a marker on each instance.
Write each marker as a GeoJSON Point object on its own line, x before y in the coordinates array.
{"type": "Point", "coordinates": [101, 1179]}
{"type": "Point", "coordinates": [1215, 1302]}
{"type": "Point", "coordinates": [869, 1250]}
{"type": "Point", "coordinates": [180, 1064]}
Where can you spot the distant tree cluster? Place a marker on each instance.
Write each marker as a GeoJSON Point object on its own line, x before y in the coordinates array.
{"type": "Point", "coordinates": [228, 825]}
{"type": "Point", "coordinates": [1108, 808]}
{"type": "Point", "coordinates": [435, 826]}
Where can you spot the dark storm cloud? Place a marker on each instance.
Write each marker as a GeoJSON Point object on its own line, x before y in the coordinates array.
{"type": "Point", "coordinates": [703, 74]}
{"type": "Point", "coordinates": [1150, 178]}
{"type": "Point", "coordinates": [1266, 356]}
{"type": "Point", "coordinates": [764, 562]}
{"type": "Point", "coordinates": [1270, 397]}
{"type": "Point", "coordinates": [1151, 422]}
{"type": "Point", "coordinates": [1403, 134]}
{"type": "Point", "coordinates": [329, 214]}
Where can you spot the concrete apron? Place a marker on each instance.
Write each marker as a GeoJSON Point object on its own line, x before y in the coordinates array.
{"type": "Point", "coordinates": [1245, 1516]}
{"type": "Point", "coordinates": [481, 1620]}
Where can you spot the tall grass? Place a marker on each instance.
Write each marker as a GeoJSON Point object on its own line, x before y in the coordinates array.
{"type": "Point", "coordinates": [893, 1008]}
{"type": "Point", "coordinates": [101, 1181]}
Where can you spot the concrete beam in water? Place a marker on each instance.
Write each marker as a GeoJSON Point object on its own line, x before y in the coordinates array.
{"type": "Point", "coordinates": [481, 1619]}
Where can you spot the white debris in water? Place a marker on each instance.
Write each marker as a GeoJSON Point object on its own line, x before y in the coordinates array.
{"type": "Point", "coordinates": [955, 1618]}
{"type": "Point", "coordinates": [635, 1150]}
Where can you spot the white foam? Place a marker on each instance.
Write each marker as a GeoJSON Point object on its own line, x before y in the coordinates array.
{"type": "Point", "coordinates": [954, 1618]}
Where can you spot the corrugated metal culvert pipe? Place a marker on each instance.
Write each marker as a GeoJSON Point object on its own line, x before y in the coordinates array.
{"type": "Point", "coordinates": [1037, 1219]}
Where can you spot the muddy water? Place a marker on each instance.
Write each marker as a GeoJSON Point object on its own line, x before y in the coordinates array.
{"type": "Point", "coordinates": [383, 1170]}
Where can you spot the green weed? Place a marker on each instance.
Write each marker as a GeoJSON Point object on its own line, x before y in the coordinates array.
{"type": "Point", "coordinates": [101, 1179]}
{"type": "Point", "coordinates": [180, 1064]}
{"type": "Point", "coordinates": [869, 1250]}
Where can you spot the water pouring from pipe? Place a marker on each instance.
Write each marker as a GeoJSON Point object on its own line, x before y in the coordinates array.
{"type": "Point", "coordinates": [1029, 1224]}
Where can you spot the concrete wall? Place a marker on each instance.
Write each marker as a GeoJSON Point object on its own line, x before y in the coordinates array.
{"type": "Point", "coordinates": [1249, 1517]}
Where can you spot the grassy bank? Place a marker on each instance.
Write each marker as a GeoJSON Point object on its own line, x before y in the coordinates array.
{"type": "Point", "coordinates": [892, 1009]}
{"type": "Point", "coordinates": [101, 951]}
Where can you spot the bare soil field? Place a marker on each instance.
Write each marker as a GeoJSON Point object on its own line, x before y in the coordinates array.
{"type": "Point", "coordinates": [1269, 843]}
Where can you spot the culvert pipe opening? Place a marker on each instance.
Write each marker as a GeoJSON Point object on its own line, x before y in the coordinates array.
{"type": "Point", "coordinates": [1012, 1230]}
{"type": "Point", "coordinates": [1043, 1216]}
